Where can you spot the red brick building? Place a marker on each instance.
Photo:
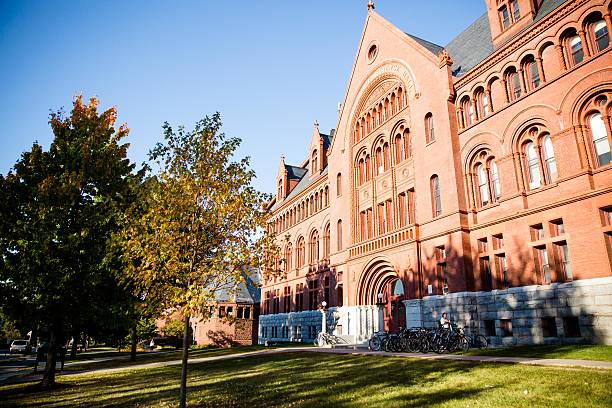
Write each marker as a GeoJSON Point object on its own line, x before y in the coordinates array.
{"type": "Point", "coordinates": [233, 319]}
{"type": "Point", "coordinates": [473, 178]}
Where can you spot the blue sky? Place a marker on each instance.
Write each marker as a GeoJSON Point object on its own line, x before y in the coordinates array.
{"type": "Point", "coordinates": [270, 67]}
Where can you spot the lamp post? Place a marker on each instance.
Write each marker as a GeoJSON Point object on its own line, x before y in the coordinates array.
{"type": "Point", "coordinates": [323, 323]}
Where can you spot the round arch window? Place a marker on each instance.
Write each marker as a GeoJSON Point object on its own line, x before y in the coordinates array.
{"type": "Point", "coordinates": [372, 52]}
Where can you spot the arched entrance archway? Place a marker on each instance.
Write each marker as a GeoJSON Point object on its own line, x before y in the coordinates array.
{"type": "Point", "coordinates": [381, 286]}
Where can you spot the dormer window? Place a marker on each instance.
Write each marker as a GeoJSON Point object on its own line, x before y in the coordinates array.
{"type": "Point", "coordinates": [280, 189]}
{"type": "Point", "coordinates": [509, 12]}
{"type": "Point", "coordinates": [315, 162]}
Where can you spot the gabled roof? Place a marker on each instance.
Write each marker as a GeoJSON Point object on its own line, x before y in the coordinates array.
{"type": "Point", "coordinates": [301, 186]}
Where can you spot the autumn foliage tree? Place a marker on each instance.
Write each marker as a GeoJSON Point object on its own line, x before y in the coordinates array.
{"type": "Point", "coordinates": [58, 210]}
{"type": "Point", "coordinates": [197, 228]}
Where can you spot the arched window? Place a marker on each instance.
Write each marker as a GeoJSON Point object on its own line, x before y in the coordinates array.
{"type": "Point", "coordinates": [436, 201]}
{"type": "Point", "coordinates": [513, 82]}
{"type": "Point", "coordinates": [315, 162]}
{"type": "Point", "coordinates": [326, 195]}
{"type": "Point", "coordinates": [280, 190]}
{"type": "Point", "coordinates": [530, 68]}
{"type": "Point", "coordinates": [483, 103]}
{"type": "Point", "coordinates": [533, 166]}
{"type": "Point", "coordinates": [361, 171]}
{"type": "Point", "coordinates": [300, 253]}
{"type": "Point", "coordinates": [599, 34]}
{"type": "Point", "coordinates": [429, 128]}
{"type": "Point", "coordinates": [549, 159]}
{"type": "Point", "coordinates": [494, 180]}
{"type": "Point", "coordinates": [574, 50]}
{"type": "Point", "coordinates": [326, 243]}
{"type": "Point", "coordinates": [288, 255]}
{"type": "Point", "coordinates": [368, 168]}
{"type": "Point", "coordinates": [400, 153]}
{"type": "Point", "coordinates": [485, 184]}
{"type": "Point", "coordinates": [339, 184]}
{"type": "Point", "coordinates": [599, 134]}
{"type": "Point", "coordinates": [314, 247]}
{"type": "Point", "coordinates": [408, 143]}
{"type": "Point", "coordinates": [386, 156]}
{"type": "Point", "coordinates": [469, 116]}
{"type": "Point", "coordinates": [380, 168]}
{"type": "Point", "coordinates": [339, 235]}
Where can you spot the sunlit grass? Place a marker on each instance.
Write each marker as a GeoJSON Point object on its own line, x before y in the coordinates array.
{"type": "Point", "coordinates": [314, 379]}
{"type": "Point", "coordinates": [574, 352]}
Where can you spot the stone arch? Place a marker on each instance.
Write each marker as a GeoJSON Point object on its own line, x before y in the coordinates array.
{"type": "Point", "coordinates": [376, 274]}
{"type": "Point", "coordinates": [390, 70]}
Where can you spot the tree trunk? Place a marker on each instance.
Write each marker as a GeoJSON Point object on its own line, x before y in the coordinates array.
{"type": "Point", "coordinates": [183, 392]}
{"type": "Point", "coordinates": [48, 380]}
{"type": "Point", "coordinates": [84, 341]}
{"type": "Point", "coordinates": [75, 344]}
{"type": "Point", "coordinates": [134, 342]}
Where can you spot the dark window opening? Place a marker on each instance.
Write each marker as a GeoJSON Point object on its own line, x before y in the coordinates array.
{"type": "Point", "coordinates": [571, 326]}
{"type": "Point", "coordinates": [489, 326]}
{"type": "Point", "coordinates": [549, 327]}
{"type": "Point", "coordinates": [506, 327]}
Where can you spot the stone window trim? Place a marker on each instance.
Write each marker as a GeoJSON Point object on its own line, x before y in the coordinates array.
{"type": "Point", "coordinates": [484, 183]}
{"type": "Point", "coordinates": [430, 135]}
{"type": "Point", "coordinates": [537, 158]}
{"type": "Point", "coordinates": [552, 258]}
{"type": "Point", "coordinates": [596, 119]}
{"type": "Point", "coordinates": [436, 198]}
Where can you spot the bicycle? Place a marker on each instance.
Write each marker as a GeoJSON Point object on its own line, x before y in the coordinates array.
{"type": "Point", "coordinates": [325, 339]}
{"type": "Point", "coordinates": [377, 341]}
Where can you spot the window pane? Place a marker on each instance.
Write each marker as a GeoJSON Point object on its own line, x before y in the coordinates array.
{"type": "Point", "coordinates": [482, 185]}
{"type": "Point", "coordinates": [535, 179]}
{"type": "Point", "coordinates": [601, 35]}
{"type": "Point", "coordinates": [534, 75]}
{"type": "Point", "coordinates": [549, 157]}
{"type": "Point", "coordinates": [600, 139]}
{"type": "Point", "coordinates": [495, 180]}
{"type": "Point", "coordinates": [515, 10]}
{"type": "Point", "coordinates": [576, 49]}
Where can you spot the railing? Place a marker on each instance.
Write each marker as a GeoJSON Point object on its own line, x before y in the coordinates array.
{"type": "Point", "coordinates": [406, 234]}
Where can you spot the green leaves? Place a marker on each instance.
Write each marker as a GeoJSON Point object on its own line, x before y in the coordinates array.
{"type": "Point", "coordinates": [191, 234]}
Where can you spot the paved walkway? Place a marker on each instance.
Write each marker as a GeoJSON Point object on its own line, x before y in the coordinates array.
{"type": "Point", "coordinates": [549, 362]}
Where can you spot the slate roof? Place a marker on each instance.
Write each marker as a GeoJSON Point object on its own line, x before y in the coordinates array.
{"type": "Point", "coordinates": [434, 48]}
{"type": "Point", "coordinates": [471, 46]}
{"type": "Point", "coordinates": [474, 44]}
{"type": "Point", "coordinates": [247, 292]}
{"type": "Point", "coordinates": [301, 186]}
{"type": "Point", "coordinates": [294, 172]}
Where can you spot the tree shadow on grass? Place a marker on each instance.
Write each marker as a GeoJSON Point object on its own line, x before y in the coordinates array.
{"type": "Point", "coordinates": [293, 379]}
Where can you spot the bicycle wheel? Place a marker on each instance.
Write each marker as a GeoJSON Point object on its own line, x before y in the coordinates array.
{"type": "Point", "coordinates": [374, 343]}
{"type": "Point", "coordinates": [481, 342]}
{"type": "Point", "coordinates": [464, 345]}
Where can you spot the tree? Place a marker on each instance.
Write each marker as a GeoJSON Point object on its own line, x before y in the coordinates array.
{"type": "Point", "coordinates": [59, 208]}
{"type": "Point", "coordinates": [196, 236]}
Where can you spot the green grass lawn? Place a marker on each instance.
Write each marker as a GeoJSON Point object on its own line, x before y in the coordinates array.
{"type": "Point", "coordinates": [122, 359]}
{"type": "Point", "coordinates": [308, 379]}
{"type": "Point", "coordinates": [574, 352]}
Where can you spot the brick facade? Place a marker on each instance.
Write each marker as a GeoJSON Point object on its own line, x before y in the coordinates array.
{"type": "Point", "coordinates": [477, 175]}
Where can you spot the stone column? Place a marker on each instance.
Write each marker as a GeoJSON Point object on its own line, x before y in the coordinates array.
{"type": "Point", "coordinates": [585, 43]}
{"type": "Point", "coordinates": [608, 21]}
{"type": "Point", "coordinates": [540, 69]}
{"type": "Point", "coordinates": [562, 62]}
{"type": "Point", "coordinates": [489, 101]}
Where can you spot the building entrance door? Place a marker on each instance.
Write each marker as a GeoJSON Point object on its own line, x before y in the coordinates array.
{"type": "Point", "coordinates": [394, 311]}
